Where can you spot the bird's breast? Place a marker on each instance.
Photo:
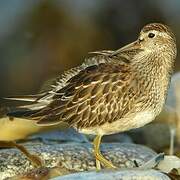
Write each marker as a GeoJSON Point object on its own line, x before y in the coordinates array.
{"type": "Point", "coordinates": [131, 121]}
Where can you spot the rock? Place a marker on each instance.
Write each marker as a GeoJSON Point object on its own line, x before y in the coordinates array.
{"type": "Point", "coordinates": [119, 138]}
{"type": "Point", "coordinates": [169, 163]}
{"type": "Point", "coordinates": [125, 174]}
{"type": "Point", "coordinates": [163, 164]}
{"type": "Point", "coordinates": [68, 135]}
{"type": "Point", "coordinates": [42, 173]}
{"type": "Point", "coordinates": [72, 156]}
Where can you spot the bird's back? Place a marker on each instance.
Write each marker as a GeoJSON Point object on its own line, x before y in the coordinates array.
{"type": "Point", "coordinates": [102, 90]}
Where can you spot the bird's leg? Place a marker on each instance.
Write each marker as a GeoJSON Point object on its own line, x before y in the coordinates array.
{"type": "Point", "coordinates": [36, 161]}
{"type": "Point", "coordinates": [99, 157]}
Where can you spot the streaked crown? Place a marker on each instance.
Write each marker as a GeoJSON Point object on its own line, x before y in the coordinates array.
{"type": "Point", "coordinates": [157, 38]}
{"type": "Point", "coordinates": [159, 28]}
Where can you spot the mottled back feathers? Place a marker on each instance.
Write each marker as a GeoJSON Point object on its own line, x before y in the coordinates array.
{"type": "Point", "coordinates": [90, 97]}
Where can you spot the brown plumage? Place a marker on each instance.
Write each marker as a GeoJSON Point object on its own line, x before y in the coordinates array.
{"type": "Point", "coordinates": [112, 91]}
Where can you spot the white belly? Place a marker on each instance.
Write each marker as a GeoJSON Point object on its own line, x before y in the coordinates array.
{"type": "Point", "coordinates": [124, 124]}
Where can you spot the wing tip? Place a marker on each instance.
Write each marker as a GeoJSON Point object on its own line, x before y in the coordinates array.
{"type": "Point", "coordinates": [19, 99]}
{"type": "Point", "coordinates": [21, 113]}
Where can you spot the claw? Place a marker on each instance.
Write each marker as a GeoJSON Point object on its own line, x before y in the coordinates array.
{"type": "Point", "coordinates": [99, 157]}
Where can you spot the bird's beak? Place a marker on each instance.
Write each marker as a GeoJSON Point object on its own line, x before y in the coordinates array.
{"type": "Point", "coordinates": [130, 47]}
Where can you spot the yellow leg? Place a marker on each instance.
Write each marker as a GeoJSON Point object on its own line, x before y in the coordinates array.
{"type": "Point", "coordinates": [36, 161]}
{"type": "Point", "coordinates": [99, 157]}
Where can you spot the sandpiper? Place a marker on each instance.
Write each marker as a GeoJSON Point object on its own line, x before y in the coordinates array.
{"type": "Point", "coordinates": [112, 91]}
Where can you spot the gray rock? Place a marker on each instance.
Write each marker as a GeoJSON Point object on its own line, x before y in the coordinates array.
{"type": "Point", "coordinates": [72, 156]}
{"type": "Point", "coordinates": [118, 138]}
{"type": "Point", "coordinates": [68, 135]}
{"type": "Point", "coordinates": [116, 175]}
{"type": "Point", "coordinates": [169, 163]}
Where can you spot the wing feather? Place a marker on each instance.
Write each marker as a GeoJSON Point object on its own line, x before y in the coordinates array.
{"type": "Point", "coordinates": [84, 96]}
{"type": "Point", "coordinates": [93, 97]}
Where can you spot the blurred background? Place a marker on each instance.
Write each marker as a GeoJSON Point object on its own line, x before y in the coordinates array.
{"type": "Point", "coordinates": [39, 39]}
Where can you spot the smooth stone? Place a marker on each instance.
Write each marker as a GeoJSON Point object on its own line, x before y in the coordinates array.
{"type": "Point", "coordinates": [113, 138]}
{"type": "Point", "coordinates": [67, 135]}
{"type": "Point", "coordinates": [119, 138]}
{"type": "Point", "coordinates": [169, 163]}
{"type": "Point", "coordinates": [116, 174]}
{"type": "Point", "coordinates": [73, 156]}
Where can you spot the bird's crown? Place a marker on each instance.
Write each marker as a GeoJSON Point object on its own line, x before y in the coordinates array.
{"type": "Point", "coordinates": [158, 27]}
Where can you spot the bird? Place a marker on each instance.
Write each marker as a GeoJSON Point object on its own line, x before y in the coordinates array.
{"type": "Point", "coordinates": [112, 91]}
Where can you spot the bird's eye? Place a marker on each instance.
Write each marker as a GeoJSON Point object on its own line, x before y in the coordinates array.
{"type": "Point", "coordinates": [151, 35]}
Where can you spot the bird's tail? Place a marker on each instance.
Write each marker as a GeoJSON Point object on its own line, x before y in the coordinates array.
{"type": "Point", "coordinates": [21, 113]}
{"type": "Point", "coordinates": [27, 110]}
{"type": "Point", "coordinates": [26, 98]}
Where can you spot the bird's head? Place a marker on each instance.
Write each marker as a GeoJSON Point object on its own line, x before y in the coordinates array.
{"type": "Point", "coordinates": [155, 40]}
{"type": "Point", "coordinates": [156, 37]}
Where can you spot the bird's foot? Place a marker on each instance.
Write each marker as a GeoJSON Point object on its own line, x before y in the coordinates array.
{"type": "Point", "coordinates": [99, 157]}
{"type": "Point", "coordinates": [35, 159]}
{"type": "Point", "coordinates": [101, 160]}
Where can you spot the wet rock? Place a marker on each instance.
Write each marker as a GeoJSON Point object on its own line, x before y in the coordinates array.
{"type": "Point", "coordinates": [169, 163]}
{"type": "Point", "coordinates": [42, 173]}
{"type": "Point", "coordinates": [72, 156]}
{"type": "Point", "coordinates": [68, 135]}
{"type": "Point", "coordinates": [116, 174]}
{"type": "Point", "coordinates": [119, 138]}
{"type": "Point", "coordinates": [163, 164]}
